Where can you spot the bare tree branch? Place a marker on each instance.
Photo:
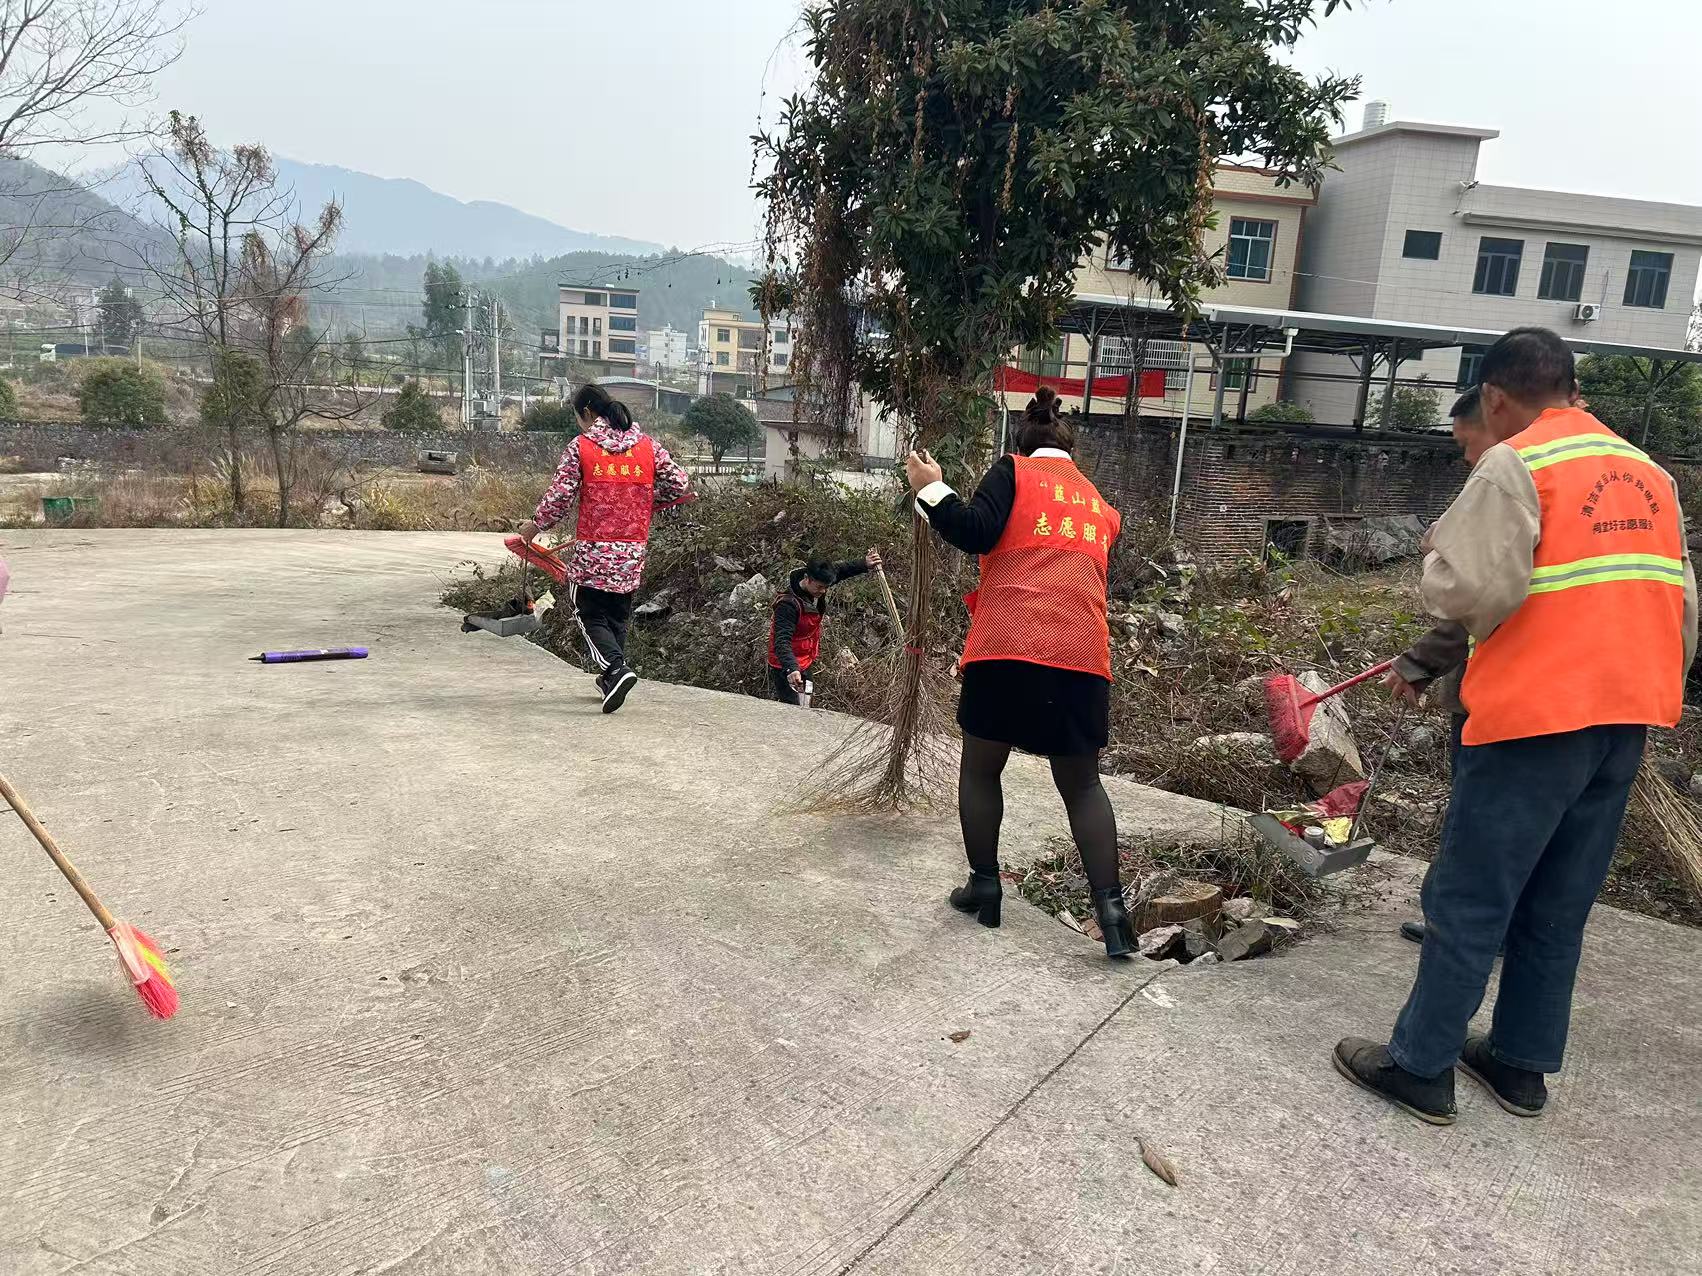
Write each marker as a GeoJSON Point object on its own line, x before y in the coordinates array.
{"type": "Point", "coordinates": [58, 58]}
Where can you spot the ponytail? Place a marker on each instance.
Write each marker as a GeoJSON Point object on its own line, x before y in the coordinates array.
{"type": "Point", "coordinates": [597, 401]}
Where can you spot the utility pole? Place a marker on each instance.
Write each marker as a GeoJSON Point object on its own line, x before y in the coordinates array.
{"type": "Point", "coordinates": [496, 361]}
{"type": "Point", "coordinates": [467, 366]}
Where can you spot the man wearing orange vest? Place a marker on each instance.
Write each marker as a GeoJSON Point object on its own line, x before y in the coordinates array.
{"type": "Point", "coordinates": [794, 628]}
{"type": "Point", "coordinates": [1564, 557]}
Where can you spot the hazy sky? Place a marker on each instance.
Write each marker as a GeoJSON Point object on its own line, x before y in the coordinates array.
{"type": "Point", "coordinates": [633, 117]}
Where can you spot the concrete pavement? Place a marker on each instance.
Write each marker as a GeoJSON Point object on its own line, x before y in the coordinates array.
{"type": "Point", "coordinates": [477, 980]}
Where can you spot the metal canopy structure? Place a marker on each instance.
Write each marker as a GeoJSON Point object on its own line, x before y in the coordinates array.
{"type": "Point", "coordinates": [1249, 333]}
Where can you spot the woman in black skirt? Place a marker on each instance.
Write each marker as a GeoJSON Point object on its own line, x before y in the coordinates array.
{"type": "Point", "coordinates": [1036, 667]}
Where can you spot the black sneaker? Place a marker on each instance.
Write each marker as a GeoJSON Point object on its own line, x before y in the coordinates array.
{"type": "Point", "coordinates": [1517, 1090]}
{"type": "Point", "coordinates": [616, 684]}
{"type": "Point", "coordinates": [1370, 1066]}
{"type": "Point", "coordinates": [1413, 931]}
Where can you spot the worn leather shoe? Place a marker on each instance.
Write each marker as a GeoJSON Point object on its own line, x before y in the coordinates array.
{"type": "Point", "coordinates": [1370, 1066]}
{"type": "Point", "coordinates": [1518, 1090]}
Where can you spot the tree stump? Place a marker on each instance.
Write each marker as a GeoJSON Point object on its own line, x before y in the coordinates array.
{"type": "Point", "coordinates": [1179, 903]}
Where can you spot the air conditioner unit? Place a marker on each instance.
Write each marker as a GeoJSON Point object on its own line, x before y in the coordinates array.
{"type": "Point", "coordinates": [1588, 311]}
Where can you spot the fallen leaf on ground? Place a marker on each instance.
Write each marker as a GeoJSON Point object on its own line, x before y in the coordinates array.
{"type": "Point", "coordinates": [961, 1035]}
{"type": "Point", "coordinates": [1158, 1163]}
{"type": "Point", "coordinates": [1065, 916]}
{"type": "Point", "coordinates": [1286, 923]}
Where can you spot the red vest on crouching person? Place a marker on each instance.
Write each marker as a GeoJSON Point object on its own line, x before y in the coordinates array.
{"type": "Point", "coordinates": [806, 638]}
{"type": "Point", "coordinates": [616, 491]}
{"type": "Point", "coordinates": [1043, 586]}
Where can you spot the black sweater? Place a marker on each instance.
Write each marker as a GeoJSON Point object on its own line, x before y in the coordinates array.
{"type": "Point", "coordinates": [975, 525]}
{"type": "Point", "coordinates": [794, 602]}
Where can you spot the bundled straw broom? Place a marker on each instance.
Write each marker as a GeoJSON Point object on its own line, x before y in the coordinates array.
{"type": "Point", "coordinates": [1666, 820]}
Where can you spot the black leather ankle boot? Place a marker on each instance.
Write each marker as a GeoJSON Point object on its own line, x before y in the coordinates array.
{"type": "Point", "coordinates": [1113, 917]}
{"type": "Point", "coordinates": [980, 895]}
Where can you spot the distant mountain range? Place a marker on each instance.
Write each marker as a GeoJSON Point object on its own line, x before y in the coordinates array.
{"type": "Point", "coordinates": [404, 217]}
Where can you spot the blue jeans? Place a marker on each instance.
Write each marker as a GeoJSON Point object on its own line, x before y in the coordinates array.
{"type": "Point", "coordinates": [1529, 835]}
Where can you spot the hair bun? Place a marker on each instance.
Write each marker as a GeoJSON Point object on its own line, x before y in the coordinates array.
{"type": "Point", "coordinates": [1043, 407]}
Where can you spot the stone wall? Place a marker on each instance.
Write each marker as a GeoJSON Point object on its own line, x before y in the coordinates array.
{"type": "Point", "coordinates": [42, 446]}
{"type": "Point", "coordinates": [1237, 482]}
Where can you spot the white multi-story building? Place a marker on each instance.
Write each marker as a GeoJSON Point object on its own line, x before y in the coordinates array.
{"type": "Point", "coordinates": [1405, 231]}
{"type": "Point", "coordinates": [670, 350]}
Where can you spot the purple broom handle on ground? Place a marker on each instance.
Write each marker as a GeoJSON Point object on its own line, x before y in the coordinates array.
{"type": "Point", "coordinates": [324, 653]}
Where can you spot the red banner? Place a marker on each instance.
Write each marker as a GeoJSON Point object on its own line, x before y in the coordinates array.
{"type": "Point", "coordinates": [1016, 381]}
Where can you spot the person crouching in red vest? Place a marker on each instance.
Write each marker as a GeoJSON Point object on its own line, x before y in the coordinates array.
{"type": "Point", "coordinates": [1036, 666]}
{"type": "Point", "coordinates": [794, 631]}
{"type": "Point", "coordinates": [617, 475]}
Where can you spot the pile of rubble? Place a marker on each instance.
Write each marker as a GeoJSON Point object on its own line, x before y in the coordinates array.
{"type": "Point", "coordinates": [1191, 922]}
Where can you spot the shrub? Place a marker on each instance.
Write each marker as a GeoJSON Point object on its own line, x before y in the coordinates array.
{"type": "Point", "coordinates": [412, 410]}
{"type": "Point", "coordinates": [1412, 407]}
{"type": "Point", "coordinates": [551, 416]}
{"type": "Point", "coordinates": [723, 421]}
{"type": "Point", "coordinates": [1282, 411]}
{"type": "Point", "coordinates": [116, 392]}
{"type": "Point", "coordinates": [8, 401]}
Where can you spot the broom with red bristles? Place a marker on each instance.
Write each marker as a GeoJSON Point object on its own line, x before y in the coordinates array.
{"type": "Point", "coordinates": [1290, 706]}
{"type": "Point", "coordinates": [138, 956]}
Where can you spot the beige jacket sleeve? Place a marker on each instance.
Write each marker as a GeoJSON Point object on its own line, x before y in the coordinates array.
{"type": "Point", "coordinates": [1478, 568]}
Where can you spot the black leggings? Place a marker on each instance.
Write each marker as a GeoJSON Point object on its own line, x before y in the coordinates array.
{"type": "Point", "coordinates": [981, 809]}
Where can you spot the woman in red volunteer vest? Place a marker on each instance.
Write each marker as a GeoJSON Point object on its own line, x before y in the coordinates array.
{"type": "Point", "coordinates": [1036, 667]}
{"type": "Point", "coordinates": [794, 630]}
{"type": "Point", "coordinates": [616, 474]}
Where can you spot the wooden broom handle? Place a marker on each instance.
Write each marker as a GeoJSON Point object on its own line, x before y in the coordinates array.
{"type": "Point", "coordinates": [891, 605]}
{"type": "Point", "coordinates": [17, 803]}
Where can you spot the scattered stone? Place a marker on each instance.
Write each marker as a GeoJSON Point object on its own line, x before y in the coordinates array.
{"type": "Point", "coordinates": [749, 593]}
{"type": "Point", "coordinates": [1171, 625]}
{"type": "Point", "coordinates": [960, 1036]}
{"type": "Point", "coordinates": [729, 565]}
{"type": "Point", "coordinates": [656, 606]}
{"type": "Point", "coordinates": [1696, 785]}
{"type": "Point", "coordinates": [1371, 541]}
{"type": "Point", "coordinates": [729, 627]}
{"type": "Point", "coordinates": [1423, 738]}
{"type": "Point", "coordinates": [1195, 945]}
{"type": "Point", "coordinates": [1240, 909]}
{"type": "Point", "coordinates": [1179, 903]}
{"type": "Point", "coordinates": [844, 659]}
{"type": "Point", "coordinates": [1248, 746]}
{"type": "Point", "coordinates": [1206, 959]}
{"type": "Point", "coordinates": [1251, 693]}
{"type": "Point", "coordinates": [1252, 940]}
{"type": "Point", "coordinates": [1332, 757]}
{"type": "Point", "coordinates": [1161, 942]}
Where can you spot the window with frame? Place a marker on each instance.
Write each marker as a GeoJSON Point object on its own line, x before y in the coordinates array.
{"type": "Point", "coordinates": [623, 323]}
{"type": "Point", "coordinates": [584, 348]}
{"type": "Point", "coordinates": [1250, 248]}
{"type": "Point", "coordinates": [593, 298]}
{"type": "Point", "coordinates": [1234, 374]}
{"type": "Point", "coordinates": [781, 336]}
{"type": "Point", "coordinates": [1563, 272]}
{"type": "Point", "coordinates": [1045, 361]}
{"type": "Point", "coordinates": [723, 359]}
{"type": "Point", "coordinates": [1498, 266]}
{"type": "Point", "coordinates": [596, 349]}
{"type": "Point", "coordinates": [1116, 259]}
{"type": "Point", "coordinates": [623, 301]}
{"type": "Point", "coordinates": [622, 345]}
{"type": "Point", "coordinates": [780, 359]}
{"type": "Point", "coordinates": [1423, 245]}
{"type": "Point", "coordinates": [723, 334]}
{"type": "Point", "coordinates": [1646, 284]}
{"type": "Point", "coordinates": [1471, 363]}
{"type": "Point", "coordinates": [1172, 357]}
{"type": "Point", "coordinates": [597, 326]}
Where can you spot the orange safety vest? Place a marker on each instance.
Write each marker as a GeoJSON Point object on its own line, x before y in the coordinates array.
{"type": "Point", "coordinates": [1599, 640]}
{"type": "Point", "coordinates": [616, 490]}
{"type": "Point", "coordinates": [1042, 594]}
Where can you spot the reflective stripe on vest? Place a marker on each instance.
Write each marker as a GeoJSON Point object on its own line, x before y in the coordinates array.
{"type": "Point", "coordinates": [1042, 593]}
{"type": "Point", "coordinates": [1539, 456]}
{"type": "Point", "coordinates": [1599, 638]}
{"type": "Point", "coordinates": [1607, 567]}
{"type": "Point", "coordinates": [616, 492]}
